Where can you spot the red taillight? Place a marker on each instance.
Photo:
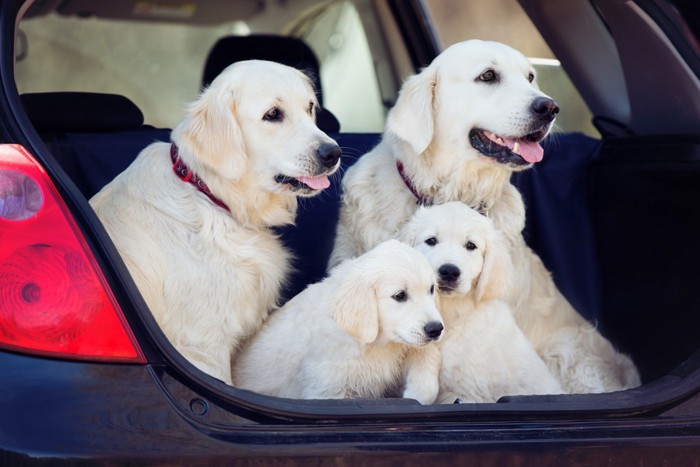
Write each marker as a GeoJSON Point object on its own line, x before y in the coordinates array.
{"type": "Point", "coordinates": [54, 299]}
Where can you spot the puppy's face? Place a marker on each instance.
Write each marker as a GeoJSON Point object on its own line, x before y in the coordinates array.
{"type": "Point", "coordinates": [463, 248]}
{"type": "Point", "coordinates": [454, 242]}
{"type": "Point", "coordinates": [407, 307]}
{"type": "Point", "coordinates": [256, 122]}
{"type": "Point", "coordinates": [388, 295]}
{"type": "Point", "coordinates": [484, 104]}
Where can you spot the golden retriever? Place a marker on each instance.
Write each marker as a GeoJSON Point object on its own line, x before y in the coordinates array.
{"type": "Point", "coordinates": [457, 132]}
{"type": "Point", "coordinates": [484, 353]}
{"type": "Point", "coordinates": [192, 219]}
{"type": "Point", "coordinates": [363, 332]}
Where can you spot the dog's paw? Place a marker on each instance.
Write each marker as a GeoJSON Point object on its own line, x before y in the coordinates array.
{"type": "Point", "coordinates": [425, 394]}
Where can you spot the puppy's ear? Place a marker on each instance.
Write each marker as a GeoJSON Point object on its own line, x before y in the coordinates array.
{"type": "Point", "coordinates": [407, 233]}
{"type": "Point", "coordinates": [212, 135]}
{"type": "Point", "coordinates": [355, 305]}
{"type": "Point", "coordinates": [496, 276]}
{"type": "Point", "coordinates": [412, 118]}
{"type": "Point", "coordinates": [410, 230]}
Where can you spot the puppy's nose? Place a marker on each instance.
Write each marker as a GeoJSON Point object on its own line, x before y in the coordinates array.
{"type": "Point", "coordinates": [433, 329]}
{"type": "Point", "coordinates": [449, 272]}
{"type": "Point", "coordinates": [328, 154]}
{"type": "Point", "coordinates": [545, 108]}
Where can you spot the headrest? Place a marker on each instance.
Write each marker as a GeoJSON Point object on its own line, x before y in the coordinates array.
{"type": "Point", "coordinates": [81, 112]}
{"type": "Point", "coordinates": [286, 50]}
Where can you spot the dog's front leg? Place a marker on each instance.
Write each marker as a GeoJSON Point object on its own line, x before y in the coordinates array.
{"type": "Point", "coordinates": [421, 370]}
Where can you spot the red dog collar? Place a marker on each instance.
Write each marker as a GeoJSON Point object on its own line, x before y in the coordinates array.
{"type": "Point", "coordinates": [186, 175]}
{"type": "Point", "coordinates": [422, 200]}
{"type": "Point", "coordinates": [482, 208]}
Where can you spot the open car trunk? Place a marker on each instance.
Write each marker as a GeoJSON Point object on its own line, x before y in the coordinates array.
{"type": "Point", "coordinates": [615, 220]}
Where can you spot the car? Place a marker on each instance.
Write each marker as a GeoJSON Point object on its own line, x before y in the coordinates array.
{"type": "Point", "coordinates": [89, 378]}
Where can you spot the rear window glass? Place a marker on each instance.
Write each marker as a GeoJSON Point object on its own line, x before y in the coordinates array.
{"type": "Point", "coordinates": [159, 65]}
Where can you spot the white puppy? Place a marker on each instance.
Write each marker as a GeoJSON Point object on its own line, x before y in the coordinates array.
{"type": "Point", "coordinates": [192, 220]}
{"type": "Point", "coordinates": [485, 355]}
{"type": "Point", "coordinates": [362, 332]}
{"type": "Point", "coordinates": [457, 132]}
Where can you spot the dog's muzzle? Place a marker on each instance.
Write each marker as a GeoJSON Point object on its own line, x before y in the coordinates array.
{"type": "Point", "coordinates": [523, 150]}
{"type": "Point", "coordinates": [328, 157]}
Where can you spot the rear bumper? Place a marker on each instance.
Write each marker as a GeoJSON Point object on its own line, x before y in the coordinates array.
{"type": "Point", "coordinates": [56, 411]}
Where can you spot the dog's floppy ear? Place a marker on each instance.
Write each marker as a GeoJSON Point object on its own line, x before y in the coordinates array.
{"type": "Point", "coordinates": [496, 275]}
{"type": "Point", "coordinates": [211, 133]}
{"type": "Point", "coordinates": [415, 225]}
{"type": "Point", "coordinates": [354, 304]}
{"type": "Point", "coordinates": [412, 118]}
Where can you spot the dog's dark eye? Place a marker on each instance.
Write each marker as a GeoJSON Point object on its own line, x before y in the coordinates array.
{"type": "Point", "coordinates": [470, 246]}
{"type": "Point", "coordinates": [273, 115]}
{"type": "Point", "coordinates": [400, 296]}
{"type": "Point", "coordinates": [432, 241]}
{"type": "Point", "coordinates": [432, 289]}
{"type": "Point", "coordinates": [311, 108]}
{"type": "Point", "coordinates": [531, 77]}
{"type": "Point", "coordinates": [488, 76]}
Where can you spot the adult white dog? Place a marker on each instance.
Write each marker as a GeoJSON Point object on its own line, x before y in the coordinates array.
{"type": "Point", "coordinates": [362, 332]}
{"type": "Point", "coordinates": [485, 355]}
{"type": "Point", "coordinates": [457, 132]}
{"type": "Point", "coordinates": [192, 219]}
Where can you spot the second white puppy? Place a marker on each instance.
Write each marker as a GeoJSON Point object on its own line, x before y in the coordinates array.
{"type": "Point", "coordinates": [363, 332]}
{"type": "Point", "coordinates": [485, 355]}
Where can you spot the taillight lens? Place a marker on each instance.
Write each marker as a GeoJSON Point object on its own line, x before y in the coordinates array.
{"type": "Point", "coordinates": [54, 299]}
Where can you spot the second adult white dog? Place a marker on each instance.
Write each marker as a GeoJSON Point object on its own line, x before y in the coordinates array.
{"type": "Point", "coordinates": [457, 132]}
{"type": "Point", "coordinates": [363, 332]}
{"type": "Point", "coordinates": [192, 219]}
{"type": "Point", "coordinates": [485, 355]}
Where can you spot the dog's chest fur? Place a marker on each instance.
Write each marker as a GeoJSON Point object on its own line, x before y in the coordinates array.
{"type": "Point", "coordinates": [235, 273]}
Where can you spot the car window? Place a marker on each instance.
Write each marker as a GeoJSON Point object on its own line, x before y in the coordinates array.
{"type": "Point", "coordinates": [97, 55]}
{"type": "Point", "coordinates": [505, 21]}
{"type": "Point", "coordinates": [347, 69]}
{"type": "Point", "coordinates": [65, 53]}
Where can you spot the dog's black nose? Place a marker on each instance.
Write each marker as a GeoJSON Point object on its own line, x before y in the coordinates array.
{"type": "Point", "coordinates": [449, 272]}
{"type": "Point", "coordinates": [545, 108]}
{"type": "Point", "coordinates": [433, 329]}
{"type": "Point", "coordinates": [328, 154]}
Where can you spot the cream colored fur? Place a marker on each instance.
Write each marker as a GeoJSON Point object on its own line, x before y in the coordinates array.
{"type": "Point", "coordinates": [210, 277]}
{"type": "Point", "coordinates": [484, 353]}
{"type": "Point", "coordinates": [428, 131]}
{"type": "Point", "coordinates": [352, 335]}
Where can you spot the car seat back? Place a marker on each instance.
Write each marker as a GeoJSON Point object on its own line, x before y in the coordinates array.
{"type": "Point", "coordinates": [93, 136]}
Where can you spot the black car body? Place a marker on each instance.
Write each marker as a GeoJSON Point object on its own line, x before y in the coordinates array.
{"type": "Point", "coordinates": [615, 217]}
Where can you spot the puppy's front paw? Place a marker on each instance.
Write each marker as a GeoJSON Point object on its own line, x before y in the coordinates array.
{"type": "Point", "coordinates": [425, 393]}
{"type": "Point", "coordinates": [422, 368]}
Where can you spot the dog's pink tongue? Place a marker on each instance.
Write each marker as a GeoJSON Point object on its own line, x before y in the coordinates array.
{"type": "Point", "coordinates": [528, 150]}
{"type": "Point", "coordinates": [317, 183]}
